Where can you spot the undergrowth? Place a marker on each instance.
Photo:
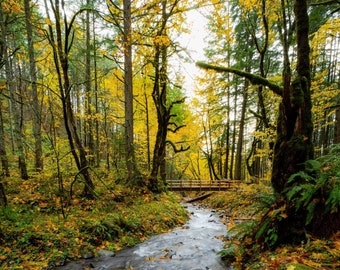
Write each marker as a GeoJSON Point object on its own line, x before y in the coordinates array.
{"type": "Point", "coordinates": [36, 230]}
{"type": "Point", "coordinates": [242, 211]}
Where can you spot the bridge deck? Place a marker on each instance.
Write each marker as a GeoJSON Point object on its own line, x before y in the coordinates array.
{"type": "Point", "coordinates": [202, 185]}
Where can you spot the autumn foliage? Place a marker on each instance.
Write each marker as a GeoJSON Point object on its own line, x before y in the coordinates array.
{"type": "Point", "coordinates": [40, 229]}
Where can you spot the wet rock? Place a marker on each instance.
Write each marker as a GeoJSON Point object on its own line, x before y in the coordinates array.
{"type": "Point", "coordinates": [106, 253]}
{"type": "Point", "coordinates": [87, 255]}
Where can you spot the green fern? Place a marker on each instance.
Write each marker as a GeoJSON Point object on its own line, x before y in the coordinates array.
{"type": "Point", "coordinates": [265, 200]}
{"type": "Point", "coordinates": [333, 200]}
{"type": "Point", "coordinates": [319, 182]}
{"type": "Point", "coordinates": [228, 252]}
{"type": "Point", "coordinates": [241, 230]}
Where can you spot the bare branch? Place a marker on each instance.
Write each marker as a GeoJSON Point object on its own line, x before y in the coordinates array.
{"type": "Point", "coordinates": [176, 150]}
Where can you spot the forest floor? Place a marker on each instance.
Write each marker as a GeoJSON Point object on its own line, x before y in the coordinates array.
{"type": "Point", "coordinates": [243, 205]}
{"type": "Point", "coordinates": [40, 230]}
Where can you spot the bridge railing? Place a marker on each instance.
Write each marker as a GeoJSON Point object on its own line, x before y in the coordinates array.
{"type": "Point", "coordinates": [202, 184]}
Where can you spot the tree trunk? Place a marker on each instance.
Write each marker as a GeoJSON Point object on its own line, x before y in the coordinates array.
{"type": "Point", "coordinates": [294, 129]}
{"type": "Point", "coordinates": [239, 148]}
{"type": "Point", "coordinates": [294, 132]}
{"type": "Point", "coordinates": [233, 140]}
{"type": "Point", "coordinates": [3, 197]}
{"type": "Point", "coordinates": [62, 66]}
{"type": "Point", "coordinates": [337, 118]}
{"type": "Point", "coordinates": [159, 94]}
{"type": "Point", "coordinates": [159, 98]}
{"type": "Point", "coordinates": [97, 142]}
{"type": "Point", "coordinates": [3, 154]}
{"type": "Point", "coordinates": [88, 125]}
{"type": "Point", "coordinates": [33, 81]}
{"type": "Point", "coordinates": [14, 102]}
{"type": "Point", "coordinates": [128, 92]}
{"type": "Point", "coordinates": [147, 125]}
{"type": "Point", "coordinates": [16, 112]}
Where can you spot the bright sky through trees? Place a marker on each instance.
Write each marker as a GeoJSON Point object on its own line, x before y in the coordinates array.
{"type": "Point", "coordinates": [194, 42]}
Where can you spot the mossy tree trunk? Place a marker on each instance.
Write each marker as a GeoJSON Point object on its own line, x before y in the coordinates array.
{"type": "Point", "coordinates": [294, 130]}
{"type": "Point", "coordinates": [295, 127]}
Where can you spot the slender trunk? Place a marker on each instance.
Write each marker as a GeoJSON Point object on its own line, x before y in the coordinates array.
{"type": "Point", "coordinates": [147, 124]}
{"type": "Point", "coordinates": [97, 143]}
{"type": "Point", "coordinates": [16, 112]}
{"type": "Point", "coordinates": [337, 118]}
{"type": "Point", "coordinates": [3, 197]}
{"type": "Point", "coordinates": [13, 87]}
{"type": "Point", "coordinates": [88, 125]}
{"type": "Point", "coordinates": [233, 143]}
{"type": "Point", "coordinates": [238, 165]}
{"type": "Point", "coordinates": [3, 153]}
{"type": "Point", "coordinates": [33, 81]}
{"type": "Point", "coordinates": [60, 53]}
{"type": "Point", "coordinates": [128, 92]}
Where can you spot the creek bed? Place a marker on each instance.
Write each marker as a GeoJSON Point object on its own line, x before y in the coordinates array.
{"type": "Point", "coordinates": [194, 246]}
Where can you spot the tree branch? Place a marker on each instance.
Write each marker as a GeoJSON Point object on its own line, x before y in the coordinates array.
{"type": "Point", "coordinates": [177, 127]}
{"type": "Point", "coordinates": [176, 150]}
{"type": "Point", "coordinates": [254, 79]}
{"type": "Point", "coordinates": [326, 3]}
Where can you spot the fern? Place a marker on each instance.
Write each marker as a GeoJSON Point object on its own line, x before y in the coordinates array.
{"type": "Point", "coordinates": [333, 201]}
{"type": "Point", "coordinates": [318, 183]}
{"type": "Point", "coordinates": [241, 230]}
{"type": "Point", "coordinates": [266, 200]}
{"type": "Point", "coordinates": [229, 251]}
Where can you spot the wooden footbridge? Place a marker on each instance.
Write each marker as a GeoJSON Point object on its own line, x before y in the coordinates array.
{"type": "Point", "coordinates": [202, 185]}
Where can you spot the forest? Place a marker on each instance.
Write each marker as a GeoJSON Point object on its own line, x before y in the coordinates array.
{"type": "Point", "coordinates": [96, 115]}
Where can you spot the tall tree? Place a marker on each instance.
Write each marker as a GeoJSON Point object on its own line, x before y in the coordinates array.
{"type": "Point", "coordinates": [3, 152]}
{"type": "Point", "coordinates": [294, 129]}
{"type": "Point", "coordinates": [34, 88]}
{"type": "Point", "coordinates": [159, 94]}
{"type": "Point", "coordinates": [89, 140]}
{"type": "Point", "coordinates": [61, 44]}
{"type": "Point", "coordinates": [14, 88]}
{"type": "Point", "coordinates": [128, 92]}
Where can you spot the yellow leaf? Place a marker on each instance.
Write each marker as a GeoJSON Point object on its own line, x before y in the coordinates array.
{"type": "Point", "coordinates": [48, 21]}
{"type": "Point", "coordinates": [283, 215]}
{"type": "Point", "coordinates": [3, 257]}
{"type": "Point", "coordinates": [290, 267]}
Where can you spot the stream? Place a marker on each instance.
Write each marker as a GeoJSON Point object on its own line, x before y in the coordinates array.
{"type": "Point", "coordinates": [194, 246]}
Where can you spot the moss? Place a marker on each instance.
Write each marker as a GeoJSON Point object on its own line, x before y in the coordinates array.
{"type": "Point", "coordinates": [297, 96]}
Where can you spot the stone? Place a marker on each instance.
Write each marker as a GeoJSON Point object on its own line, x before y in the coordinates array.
{"type": "Point", "coordinates": [106, 253]}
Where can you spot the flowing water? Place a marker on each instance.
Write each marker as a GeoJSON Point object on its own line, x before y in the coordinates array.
{"type": "Point", "coordinates": [193, 246]}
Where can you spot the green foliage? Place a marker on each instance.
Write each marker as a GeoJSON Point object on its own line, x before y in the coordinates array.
{"type": "Point", "coordinates": [241, 230]}
{"type": "Point", "coordinates": [317, 185]}
{"type": "Point", "coordinates": [267, 228]}
{"type": "Point", "coordinates": [265, 200]}
{"type": "Point", "coordinates": [100, 229]}
{"type": "Point", "coordinates": [31, 237]}
{"type": "Point", "coordinates": [229, 252]}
